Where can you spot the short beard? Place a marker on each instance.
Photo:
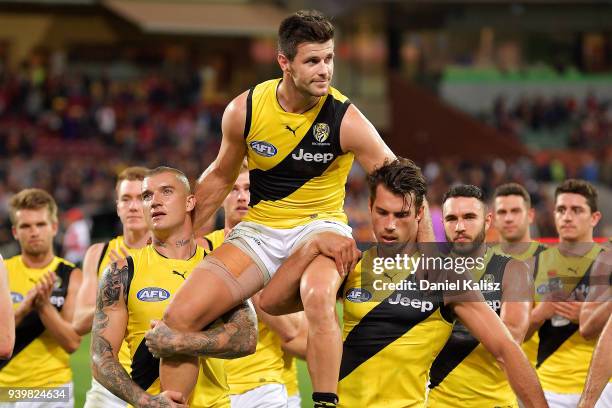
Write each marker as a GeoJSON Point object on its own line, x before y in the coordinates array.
{"type": "Point", "coordinates": [34, 253]}
{"type": "Point", "coordinates": [467, 248]}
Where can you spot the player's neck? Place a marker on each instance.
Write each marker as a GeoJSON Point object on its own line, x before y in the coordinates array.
{"type": "Point", "coordinates": [228, 226]}
{"type": "Point", "coordinates": [518, 246]}
{"type": "Point", "coordinates": [136, 238]}
{"type": "Point", "coordinates": [479, 252]}
{"type": "Point", "coordinates": [292, 100]}
{"type": "Point", "coordinates": [37, 261]}
{"type": "Point", "coordinates": [577, 247]}
{"type": "Point", "coordinates": [176, 242]}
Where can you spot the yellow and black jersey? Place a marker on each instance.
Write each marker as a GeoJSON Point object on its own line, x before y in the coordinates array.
{"type": "Point", "coordinates": [290, 375]}
{"type": "Point", "coordinates": [38, 360]}
{"type": "Point", "coordinates": [530, 347]}
{"type": "Point", "coordinates": [464, 373]}
{"type": "Point", "coordinates": [390, 338]}
{"type": "Point", "coordinates": [533, 249]}
{"type": "Point", "coordinates": [265, 366]}
{"type": "Point", "coordinates": [297, 168]}
{"type": "Point", "coordinates": [215, 239]}
{"type": "Point", "coordinates": [563, 354]}
{"type": "Point", "coordinates": [116, 244]}
{"type": "Point", "coordinates": [153, 281]}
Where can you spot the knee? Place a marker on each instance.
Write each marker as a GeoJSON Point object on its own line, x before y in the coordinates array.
{"type": "Point", "coordinates": [319, 302]}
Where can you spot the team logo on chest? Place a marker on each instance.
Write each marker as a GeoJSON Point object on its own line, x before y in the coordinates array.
{"type": "Point", "coordinates": [320, 132]}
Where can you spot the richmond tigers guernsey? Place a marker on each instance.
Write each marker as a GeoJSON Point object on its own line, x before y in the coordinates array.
{"type": "Point", "coordinates": [116, 244]}
{"type": "Point", "coordinates": [464, 373]}
{"type": "Point", "coordinates": [390, 339]}
{"type": "Point", "coordinates": [154, 279]}
{"type": "Point", "coordinates": [563, 354]}
{"type": "Point", "coordinates": [215, 238]}
{"type": "Point", "coordinates": [38, 360]}
{"type": "Point", "coordinates": [297, 168]}
{"type": "Point", "coordinates": [290, 375]}
{"type": "Point", "coordinates": [530, 346]}
{"type": "Point", "coordinates": [265, 366]}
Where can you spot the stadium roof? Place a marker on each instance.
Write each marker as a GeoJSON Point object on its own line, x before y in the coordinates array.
{"type": "Point", "coordinates": [188, 17]}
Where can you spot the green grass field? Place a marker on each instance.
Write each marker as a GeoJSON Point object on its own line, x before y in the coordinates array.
{"type": "Point", "coordinates": [82, 376]}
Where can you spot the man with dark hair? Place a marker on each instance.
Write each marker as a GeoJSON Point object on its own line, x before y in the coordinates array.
{"type": "Point", "coordinates": [300, 136]}
{"type": "Point", "coordinates": [392, 330]}
{"type": "Point", "coordinates": [467, 373]}
{"type": "Point", "coordinates": [512, 215]}
{"type": "Point", "coordinates": [134, 293]}
{"type": "Point", "coordinates": [43, 287]}
{"type": "Point", "coordinates": [565, 322]}
{"type": "Point", "coordinates": [135, 236]}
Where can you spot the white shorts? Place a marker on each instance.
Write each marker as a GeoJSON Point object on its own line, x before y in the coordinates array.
{"type": "Point", "coordinates": [294, 401]}
{"type": "Point", "coordinates": [100, 397]}
{"type": "Point", "coordinates": [266, 396]}
{"type": "Point", "coordinates": [50, 403]}
{"type": "Point", "coordinates": [556, 400]}
{"type": "Point", "coordinates": [270, 247]}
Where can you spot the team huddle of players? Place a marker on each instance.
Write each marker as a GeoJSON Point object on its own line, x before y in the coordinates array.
{"type": "Point", "coordinates": [183, 318]}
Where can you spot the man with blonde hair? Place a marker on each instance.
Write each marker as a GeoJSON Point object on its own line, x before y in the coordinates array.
{"type": "Point", "coordinates": [44, 289]}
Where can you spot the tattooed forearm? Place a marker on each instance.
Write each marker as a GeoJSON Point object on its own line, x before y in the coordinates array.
{"type": "Point", "coordinates": [108, 371]}
{"type": "Point", "coordinates": [237, 337]}
{"type": "Point", "coordinates": [106, 367]}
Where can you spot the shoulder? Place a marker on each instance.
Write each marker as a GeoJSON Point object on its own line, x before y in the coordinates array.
{"type": "Point", "coordinates": [337, 95]}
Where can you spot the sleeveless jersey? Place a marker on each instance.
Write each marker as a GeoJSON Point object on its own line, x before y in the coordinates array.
{"type": "Point", "coordinates": [153, 281]}
{"type": "Point", "coordinates": [530, 346]}
{"type": "Point", "coordinates": [390, 339]}
{"type": "Point", "coordinates": [297, 169]}
{"type": "Point", "coordinates": [290, 375]}
{"type": "Point", "coordinates": [265, 366]}
{"type": "Point", "coordinates": [116, 244]}
{"type": "Point", "coordinates": [465, 374]}
{"type": "Point", "coordinates": [38, 360]}
{"type": "Point", "coordinates": [563, 354]}
{"type": "Point", "coordinates": [215, 238]}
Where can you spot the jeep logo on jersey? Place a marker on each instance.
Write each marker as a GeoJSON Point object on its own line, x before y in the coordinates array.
{"type": "Point", "coordinates": [264, 149]}
{"type": "Point", "coordinates": [16, 297]}
{"type": "Point", "coordinates": [310, 157]}
{"type": "Point", "coordinates": [152, 294]}
{"type": "Point", "coordinates": [57, 301]}
{"type": "Point", "coordinates": [320, 132]}
{"type": "Point", "coordinates": [358, 295]}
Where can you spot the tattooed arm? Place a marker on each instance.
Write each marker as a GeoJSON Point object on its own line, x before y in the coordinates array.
{"type": "Point", "coordinates": [237, 337]}
{"type": "Point", "coordinates": [109, 325]}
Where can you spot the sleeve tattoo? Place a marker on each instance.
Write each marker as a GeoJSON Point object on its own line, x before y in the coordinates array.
{"type": "Point", "coordinates": [106, 367]}
{"type": "Point", "coordinates": [237, 337]}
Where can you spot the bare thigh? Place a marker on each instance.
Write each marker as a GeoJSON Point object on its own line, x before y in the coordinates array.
{"type": "Point", "coordinates": [223, 280]}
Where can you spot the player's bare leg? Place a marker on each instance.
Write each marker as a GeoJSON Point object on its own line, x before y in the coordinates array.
{"type": "Point", "coordinates": [319, 285]}
{"type": "Point", "coordinates": [223, 280]}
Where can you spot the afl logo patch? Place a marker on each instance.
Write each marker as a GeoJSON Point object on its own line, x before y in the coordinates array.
{"type": "Point", "coordinates": [320, 132]}
{"type": "Point", "coordinates": [152, 294]}
{"type": "Point", "coordinates": [358, 295]}
{"type": "Point", "coordinates": [16, 297]}
{"type": "Point", "coordinates": [264, 149]}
